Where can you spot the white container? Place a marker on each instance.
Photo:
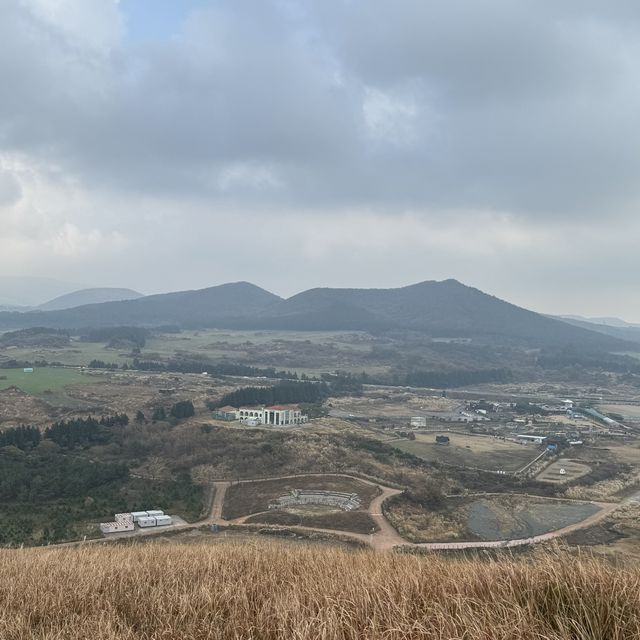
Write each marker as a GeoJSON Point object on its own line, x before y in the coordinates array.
{"type": "Point", "coordinates": [139, 514]}
{"type": "Point", "coordinates": [148, 521]}
{"type": "Point", "coordinates": [155, 513]}
{"type": "Point", "coordinates": [163, 521]}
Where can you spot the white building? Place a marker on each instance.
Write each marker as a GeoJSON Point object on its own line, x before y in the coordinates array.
{"type": "Point", "coordinates": [123, 522]}
{"type": "Point", "coordinates": [276, 415]}
{"type": "Point", "coordinates": [527, 439]}
{"type": "Point", "coordinates": [418, 421]}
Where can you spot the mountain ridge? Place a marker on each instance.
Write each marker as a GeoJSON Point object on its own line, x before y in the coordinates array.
{"type": "Point", "coordinates": [439, 308]}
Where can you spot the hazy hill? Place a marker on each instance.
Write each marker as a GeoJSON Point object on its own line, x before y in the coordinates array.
{"type": "Point", "coordinates": [609, 321]}
{"type": "Point", "coordinates": [259, 589]}
{"type": "Point", "coordinates": [201, 308]}
{"type": "Point", "coordinates": [18, 291]}
{"type": "Point", "coordinates": [89, 296]}
{"type": "Point", "coordinates": [446, 308]}
{"type": "Point", "coordinates": [626, 332]}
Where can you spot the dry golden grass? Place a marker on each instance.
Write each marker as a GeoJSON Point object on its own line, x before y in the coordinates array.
{"type": "Point", "coordinates": [268, 591]}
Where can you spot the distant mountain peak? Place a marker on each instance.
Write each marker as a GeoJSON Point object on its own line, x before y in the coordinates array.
{"type": "Point", "coordinates": [446, 308]}
{"type": "Point", "coordinates": [89, 296]}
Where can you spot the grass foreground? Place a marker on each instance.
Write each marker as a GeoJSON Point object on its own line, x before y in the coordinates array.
{"type": "Point", "coordinates": [266, 590]}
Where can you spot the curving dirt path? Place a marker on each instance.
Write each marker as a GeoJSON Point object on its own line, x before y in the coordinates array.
{"type": "Point", "coordinates": [385, 538]}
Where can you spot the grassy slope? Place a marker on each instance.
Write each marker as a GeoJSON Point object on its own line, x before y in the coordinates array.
{"type": "Point", "coordinates": [273, 591]}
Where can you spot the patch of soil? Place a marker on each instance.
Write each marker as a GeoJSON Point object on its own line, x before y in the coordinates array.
{"type": "Point", "coordinates": [18, 407]}
{"type": "Point", "coordinates": [599, 534]}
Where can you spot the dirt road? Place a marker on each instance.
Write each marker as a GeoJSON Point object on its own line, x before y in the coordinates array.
{"type": "Point", "coordinates": [386, 537]}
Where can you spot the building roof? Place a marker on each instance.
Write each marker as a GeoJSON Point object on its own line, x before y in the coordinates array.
{"type": "Point", "coordinates": [227, 408]}
{"type": "Point", "coordinates": [282, 407]}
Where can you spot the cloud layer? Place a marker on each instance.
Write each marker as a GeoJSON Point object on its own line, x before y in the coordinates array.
{"type": "Point", "coordinates": [326, 142]}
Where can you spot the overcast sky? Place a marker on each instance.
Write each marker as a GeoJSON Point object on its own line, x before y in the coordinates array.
{"type": "Point", "coordinates": [171, 144]}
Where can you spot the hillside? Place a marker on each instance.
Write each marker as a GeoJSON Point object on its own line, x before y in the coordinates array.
{"type": "Point", "coordinates": [627, 332]}
{"type": "Point", "coordinates": [439, 309]}
{"type": "Point", "coordinates": [282, 591]}
{"type": "Point", "coordinates": [204, 307]}
{"type": "Point", "coordinates": [89, 296]}
{"type": "Point", "coordinates": [444, 309]}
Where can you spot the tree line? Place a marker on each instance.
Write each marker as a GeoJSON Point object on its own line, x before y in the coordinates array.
{"type": "Point", "coordinates": [281, 393]}
{"type": "Point", "coordinates": [69, 434]}
{"type": "Point", "coordinates": [135, 335]}
{"type": "Point", "coordinates": [457, 378]}
{"type": "Point", "coordinates": [219, 369]}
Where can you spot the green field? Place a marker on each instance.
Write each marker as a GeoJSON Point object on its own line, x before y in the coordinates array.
{"type": "Point", "coordinates": [42, 382]}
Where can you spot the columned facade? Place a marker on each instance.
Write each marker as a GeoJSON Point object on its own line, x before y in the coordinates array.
{"type": "Point", "coordinates": [278, 415]}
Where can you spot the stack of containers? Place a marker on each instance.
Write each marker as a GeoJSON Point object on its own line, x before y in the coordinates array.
{"type": "Point", "coordinates": [151, 518]}
{"type": "Point", "coordinates": [139, 514]}
{"type": "Point", "coordinates": [147, 521]}
{"type": "Point", "coordinates": [163, 521]}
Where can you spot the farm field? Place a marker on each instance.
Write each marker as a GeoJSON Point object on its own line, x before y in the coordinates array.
{"type": "Point", "coordinates": [254, 497]}
{"type": "Point", "coordinates": [573, 469]}
{"type": "Point", "coordinates": [482, 452]}
{"type": "Point", "coordinates": [43, 382]}
{"type": "Point", "coordinates": [52, 393]}
{"type": "Point", "coordinates": [306, 352]}
{"type": "Point", "coordinates": [76, 354]}
{"type": "Point", "coordinates": [499, 517]}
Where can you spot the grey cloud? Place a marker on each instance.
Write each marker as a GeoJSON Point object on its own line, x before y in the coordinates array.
{"type": "Point", "coordinates": [516, 118]}
{"type": "Point", "coordinates": [10, 189]}
{"type": "Point", "coordinates": [525, 107]}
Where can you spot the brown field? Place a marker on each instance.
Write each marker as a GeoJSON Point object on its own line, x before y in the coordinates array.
{"type": "Point", "coordinates": [318, 517]}
{"type": "Point", "coordinates": [102, 392]}
{"type": "Point", "coordinates": [626, 410]}
{"type": "Point", "coordinates": [627, 452]}
{"type": "Point", "coordinates": [483, 452]}
{"type": "Point", "coordinates": [267, 590]}
{"type": "Point", "coordinates": [254, 497]}
{"type": "Point", "coordinates": [392, 402]}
